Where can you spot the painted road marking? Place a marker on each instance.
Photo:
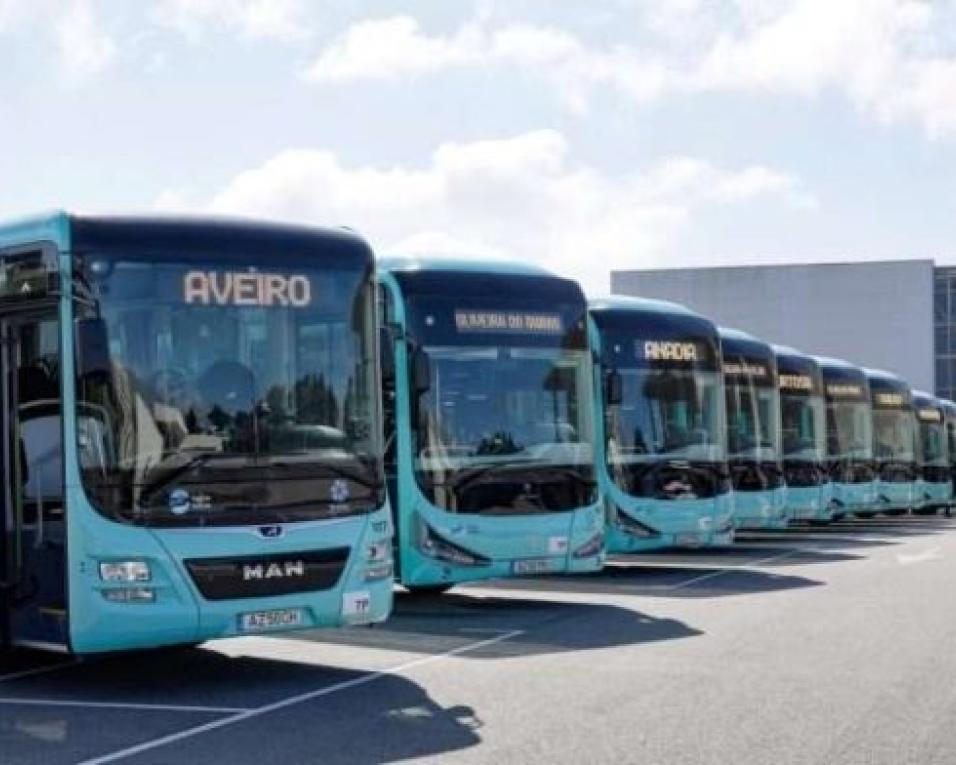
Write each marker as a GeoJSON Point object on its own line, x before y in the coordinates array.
{"type": "Point", "coordinates": [934, 553]}
{"type": "Point", "coordinates": [292, 700]}
{"type": "Point", "coordinates": [38, 670]}
{"type": "Point", "coordinates": [121, 705]}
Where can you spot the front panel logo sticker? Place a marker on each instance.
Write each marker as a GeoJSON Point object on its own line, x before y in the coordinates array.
{"type": "Point", "coordinates": [179, 502]}
{"type": "Point", "coordinates": [339, 491]}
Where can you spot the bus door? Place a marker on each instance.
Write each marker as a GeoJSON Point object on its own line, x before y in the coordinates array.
{"type": "Point", "coordinates": [34, 504]}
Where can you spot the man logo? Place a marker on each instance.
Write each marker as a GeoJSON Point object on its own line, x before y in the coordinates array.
{"type": "Point", "coordinates": [264, 571]}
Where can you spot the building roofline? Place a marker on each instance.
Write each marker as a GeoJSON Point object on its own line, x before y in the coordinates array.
{"type": "Point", "coordinates": [768, 266]}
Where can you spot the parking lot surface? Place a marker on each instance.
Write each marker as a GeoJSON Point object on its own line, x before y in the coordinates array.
{"type": "Point", "coordinates": [813, 645]}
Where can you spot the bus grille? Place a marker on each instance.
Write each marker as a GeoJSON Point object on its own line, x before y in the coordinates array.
{"type": "Point", "coordinates": [259, 576]}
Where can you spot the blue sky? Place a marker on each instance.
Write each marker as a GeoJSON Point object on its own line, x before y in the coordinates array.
{"type": "Point", "coordinates": [582, 135]}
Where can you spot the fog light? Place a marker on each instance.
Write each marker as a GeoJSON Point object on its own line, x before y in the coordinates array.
{"type": "Point", "coordinates": [375, 573]}
{"type": "Point", "coordinates": [130, 595]}
{"type": "Point", "coordinates": [125, 571]}
{"type": "Point", "coordinates": [592, 547]}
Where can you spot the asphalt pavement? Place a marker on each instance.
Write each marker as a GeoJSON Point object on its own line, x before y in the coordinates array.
{"type": "Point", "coordinates": [814, 645]}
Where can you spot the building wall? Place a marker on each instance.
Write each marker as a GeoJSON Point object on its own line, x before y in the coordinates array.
{"type": "Point", "coordinates": [876, 314]}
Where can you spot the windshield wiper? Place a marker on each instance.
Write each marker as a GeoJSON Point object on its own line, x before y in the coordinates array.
{"type": "Point", "coordinates": [154, 486]}
{"type": "Point", "coordinates": [336, 470]}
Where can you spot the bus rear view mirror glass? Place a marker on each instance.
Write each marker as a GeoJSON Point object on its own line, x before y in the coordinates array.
{"type": "Point", "coordinates": [421, 371]}
{"type": "Point", "coordinates": [92, 348]}
{"type": "Point", "coordinates": [613, 388]}
{"type": "Point", "coordinates": [386, 350]}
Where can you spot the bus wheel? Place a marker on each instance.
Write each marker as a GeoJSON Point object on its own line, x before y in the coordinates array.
{"type": "Point", "coordinates": [424, 590]}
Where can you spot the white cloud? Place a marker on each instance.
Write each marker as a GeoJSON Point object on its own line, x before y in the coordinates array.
{"type": "Point", "coordinates": [396, 48]}
{"type": "Point", "coordinates": [522, 197]}
{"type": "Point", "coordinates": [893, 59]}
{"type": "Point", "coordinates": [248, 19]}
{"type": "Point", "coordinates": [84, 47]}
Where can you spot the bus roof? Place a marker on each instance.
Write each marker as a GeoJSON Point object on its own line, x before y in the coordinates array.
{"type": "Point", "coordinates": [408, 263]}
{"type": "Point", "coordinates": [182, 231]}
{"type": "Point", "coordinates": [882, 374]}
{"type": "Point", "coordinates": [639, 304]}
{"type": "Point", "coordinates": [833, 363]}
{"type": "Point", "coordinates": [40, 227]}
{"type": "Point", "coordinates": [737, 341]}
{"type": "Point", "coordinates": [924, 398]}
{"type": "Point", "coordinates": [786, 350]}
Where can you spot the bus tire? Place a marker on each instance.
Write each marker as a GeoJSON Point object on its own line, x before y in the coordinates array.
{"type": "Point", "coordinates": [425, 590]}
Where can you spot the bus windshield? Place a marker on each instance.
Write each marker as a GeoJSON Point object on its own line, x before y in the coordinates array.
{"type": "Point", "coordinates": [893, 436]}
{"type": "Point", "coordinates": [233, 394]}
{"type": "Point", "coordinates": [933, 443]}
{"type": "Point", "coordinates": [802, 418]}
{"type": "Point", "coordinates": [508, 402]}
{"type": "Point", "coordinates": [666, 414]}
{"type": "Point", "coordinates": [849, 430]}
{"type": "Point", "coordinates": [751, 417]}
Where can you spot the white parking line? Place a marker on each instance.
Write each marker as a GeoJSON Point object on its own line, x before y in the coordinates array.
{"type": "Point", "coordinates": [120, 705]}
{"type": "Point", "coordinates": [37, 670]}
{"type": "Point", "coordinates": [292, 700]}
{"type": "Point", "coordinates": [723, 571]}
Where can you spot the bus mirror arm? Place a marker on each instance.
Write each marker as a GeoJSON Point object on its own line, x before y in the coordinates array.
{"type": "Point", "coordinates": [92, 347]}
{"type": "Point", "coordinates": [613, 388]}
{"type": "Point", "coordinates": [386, 344]}
{"type": "Point", "coordinates": [421, 371]}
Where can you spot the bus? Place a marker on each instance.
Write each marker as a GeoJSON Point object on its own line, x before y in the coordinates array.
{"type": "Point", "coordinates": [803, 436]}
{"type": "Point", "coordinates": [894, 443]}
{"type": "Point", "coordinates": [849, 436]}
{"type": "Point", "coordinates": [949, 411]}
{"type": "Point", "coordinates": [489, 420]}
{"type": "Point", "coordinates": [935, 487]}
{"type": "Point", "coordinates": [661, 444]}
{"type": "Point", "coordinates": [194, 445]}
{"type": "Point", "coordinates": [753, 431]}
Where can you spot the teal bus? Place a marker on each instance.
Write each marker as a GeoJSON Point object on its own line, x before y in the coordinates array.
{"type": "Point", "coordinates": [803, 436]}
{"type": "Point", "coordinates": [894, 444]}
{"type": "Point", "coordinates": [661, 444]}
{"type": "Point", "coordinates": [194, 445]}
{"type": "Point", "coordinates": [753, 431]}
{"type": "Point", "coordinates": [489, 421]}
{"type": "Point", "coordinates": [949, 412]}
{"type": "Point", "coordinates": [849, 437]}
{"type": "Point", "coordinates": [935, 487]}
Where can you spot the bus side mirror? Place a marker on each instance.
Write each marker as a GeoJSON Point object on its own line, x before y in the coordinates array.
{"type": "Point", "coordinates": [421, 371]}
{"type": "Point", "coordinates": [386, 351]}
{"type": "Point", "coordinates": [613, 388]}
{"type": "Point", "coordinates": [92, 342]}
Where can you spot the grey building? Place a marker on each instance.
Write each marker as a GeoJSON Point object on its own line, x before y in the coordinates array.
{"type": "Point", "coordinates": [897, 315]}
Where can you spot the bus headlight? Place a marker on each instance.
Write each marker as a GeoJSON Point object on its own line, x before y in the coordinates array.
{"type": "Point", "coordinates": [378, 552]}
{"type": "Point", "coordinates": [125, 571]}
{"type": "Point", "coordinates": [633, 527]}
{"type": "Point", "coordinates": [592, 547]}
{"type": "Point", "coordinates": [434, 546]}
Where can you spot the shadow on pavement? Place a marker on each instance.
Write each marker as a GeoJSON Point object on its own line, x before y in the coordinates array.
{"type": "Point", "coordinates": [407, 722]}
{"type": "Point", "coordinates": [437, 623]}
{"type": "Point", "coordinates": [659, 580]}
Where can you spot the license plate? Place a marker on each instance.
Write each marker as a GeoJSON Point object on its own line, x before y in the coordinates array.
{"type": "Point", "coordinates": [532, 566]}
{"type": "Point", "coordinates": [687, 540]}
{"type": "Point", "coordinates": [282, 618]}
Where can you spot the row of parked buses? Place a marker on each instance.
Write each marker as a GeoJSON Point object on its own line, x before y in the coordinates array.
{"type": "Point", "coordinates": [218, 428]}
